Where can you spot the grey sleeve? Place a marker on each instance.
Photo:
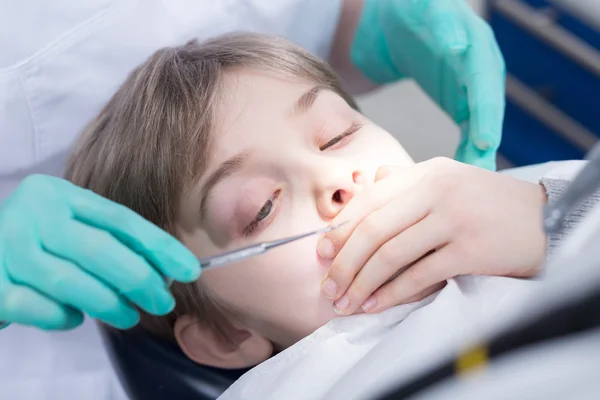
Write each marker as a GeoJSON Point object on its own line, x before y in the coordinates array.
{"type": "Point", "coordinates": [554, 188]}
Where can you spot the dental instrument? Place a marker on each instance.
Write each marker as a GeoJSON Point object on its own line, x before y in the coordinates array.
{"type": "Point", "coordinates": [584, 184]}
{"type": "Point", "coordinates": [257, 249]}
{"type": "Point", "coordinates": [254, 250]}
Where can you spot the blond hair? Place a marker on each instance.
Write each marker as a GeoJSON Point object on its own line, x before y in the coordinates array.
{"type": "Point", "coordinates": [149, 143]}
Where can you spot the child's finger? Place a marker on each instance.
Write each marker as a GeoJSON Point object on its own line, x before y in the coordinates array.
{"type": "Point", "coordinates": [401, 250]}
{"type": "Point", "coordinates": [432, 270]}
{"type": "Point", "coordinates": [365, 203]}
{"type": "Point", "coordinates": [370, 235]}
{"type": "Point", "coordinates": [387, 170]}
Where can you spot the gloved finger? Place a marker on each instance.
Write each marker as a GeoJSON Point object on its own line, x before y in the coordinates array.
{"type": "Point", "coordinates": [445, 21]}
{"type": "Point", "coordinates": [500, 64]}
{"type": "Point", "coordinates": [463, 145]}
{"type": "Point", "coordinates": [430, 271]}
{"type": "Point", "coordinates": [165, 252]}
{"type": "Point", "coordinates": [485, 91]}
{"type": "Point", "coordinates": [67, 284]}
{"type": "Point", "coordinates": [23, 305]}
{"type": "Point", "coordinates": [468, 153]}
{"type": "Point", "coordinates": [485, 159]}
{"type": "Point", "coordinates": [101, 255]}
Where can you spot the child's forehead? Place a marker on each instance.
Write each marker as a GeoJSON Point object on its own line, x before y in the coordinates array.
{"type": "Point", "coordinates": [254, 105]}
{"type": "Point", "coordinates": [252, 87]}
{"type": "Point", "coordinates": [255, 94]}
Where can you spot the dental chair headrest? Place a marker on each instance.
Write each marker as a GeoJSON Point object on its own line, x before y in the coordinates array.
{"type": "Point", "coordinates": [153, 369]}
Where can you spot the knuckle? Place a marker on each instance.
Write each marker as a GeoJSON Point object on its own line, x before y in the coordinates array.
{"type": "Point", "coordinates": [415, 278]}
{"type": "Point", "coordinates": [359, 291]}
{"type": "Point", "coordinates": [11, 301]}
{"type": "Point", "coordinates": [13, 229]}
{"type": "Point", "coordinates": [387, 256]}
{"type": "Point", "coordinates": [340, 274]}
{"type": "Point", "coordinates": [57, 279]}
{"type": "Point", "coordinates": [109, 309]}
{"type": "Point", "coordinates": [34, 197]}
{"type": "Point", "coordinates": [57, 282]}
{"type": "Point", "coordinates": [135, 227]}
{"type": "Point", "coordinates": [137, 274]}
{"type": "Point", "coordinates": [146, 277]}
{"type": "Point", "coordinates": [140, 274]}
{"type": "Point", "coordinates": [343, 274]}
{"type": "Point", "coordinates": [448, 183]}
{"type": "Point", "coordinates": [384, 298]}
{"type": "Point", "coordinates": [36, 183]}
{"type": "Point", "coordinates": [369, 227]}
{"type": "Point", "coordinates": [98, 246]}
{"type": "Point", "coordinates": [440, 162]}
{"type": "Point", "coordinates": [23, 268]}
{"type": "Point", "coordinates": [444, 179]}
{"type": "Point", "coordinates": [117, 212]}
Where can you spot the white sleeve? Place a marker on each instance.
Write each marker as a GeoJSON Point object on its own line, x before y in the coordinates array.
{"type": "Point", "coordinates": [308, 23]}
{"type": "Point", "coordinates": [55, 76]}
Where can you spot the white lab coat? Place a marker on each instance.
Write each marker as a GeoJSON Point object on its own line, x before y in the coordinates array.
{"type": "Point", "coordinates": [60, 61]}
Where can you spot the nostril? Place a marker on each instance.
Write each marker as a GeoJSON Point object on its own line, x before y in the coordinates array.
{"type": "Point", "coordinates": [337, 196]}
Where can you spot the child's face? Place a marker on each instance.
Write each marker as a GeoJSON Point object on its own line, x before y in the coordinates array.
{"type": "Point", "coordinates": [279, 177]}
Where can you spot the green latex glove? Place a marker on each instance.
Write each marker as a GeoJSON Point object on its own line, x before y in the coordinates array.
{"type": "Point", "coordinates": [451, 53]}
{"type": "Point", "coordinates": [65, 251]}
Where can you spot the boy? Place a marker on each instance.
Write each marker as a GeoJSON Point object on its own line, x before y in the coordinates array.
{"type": "Point", "coordinates": [243, 138]}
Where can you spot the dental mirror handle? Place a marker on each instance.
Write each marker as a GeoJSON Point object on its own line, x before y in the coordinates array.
{"type": "Point", "coordinates": [583, 186]}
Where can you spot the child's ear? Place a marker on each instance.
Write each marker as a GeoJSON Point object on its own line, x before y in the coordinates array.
{"type": "Point", "coordinates": [207, 346]}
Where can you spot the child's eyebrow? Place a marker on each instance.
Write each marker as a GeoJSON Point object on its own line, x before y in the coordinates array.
{"type": "Point", "coordinates": [226, 169]}
{"type": "Point", "coordinates": [305, 102]}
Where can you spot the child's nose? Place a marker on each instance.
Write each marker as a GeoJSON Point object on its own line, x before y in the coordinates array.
{"type": "Point", "coordinates": [338, 193]}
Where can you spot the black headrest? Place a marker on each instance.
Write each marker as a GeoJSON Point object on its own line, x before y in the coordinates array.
{"type": "Point", "coordinates": [154, 369]}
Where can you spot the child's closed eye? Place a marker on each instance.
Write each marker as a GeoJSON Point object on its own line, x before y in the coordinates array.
{"type": "Point", "coordinates": [332, 142]}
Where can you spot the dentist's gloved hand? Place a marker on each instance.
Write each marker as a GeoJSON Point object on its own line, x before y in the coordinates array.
{"type": "Point", "coordinates": [451, 53]}
{"type": "Point", "coordinates": [65, 251]}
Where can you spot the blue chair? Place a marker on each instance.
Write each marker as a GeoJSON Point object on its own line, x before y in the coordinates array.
{"type": "Point", "coordinates": [154, 369]}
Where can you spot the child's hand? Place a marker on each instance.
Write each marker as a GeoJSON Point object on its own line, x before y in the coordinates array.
{"type": "Point", "coordinates": [439, 219]}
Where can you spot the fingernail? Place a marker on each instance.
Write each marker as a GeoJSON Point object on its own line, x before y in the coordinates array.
{"type": "Point", "coordinates": [369, 304]}
{"type": "Point", "coordinates": [452, 35]}
{"type": "Point", "coordinates": [341, 306]}
{"type": "Point", "coordinates": [127, 321]}
{"type": "Point", "coordinates": [182, 263]}
{"type": "Point", "coordinates": [486, 161]}
{"type": "Point", "coordinates": [163, 302]}
{"type": "Point", "coordinates": [485, 142]}
{"type": "Point", "coordinates": [325, 248]}
{"type": "Point", "coordinates": [74, 319]}
{"type": "Point", "coordinates": [329, 288]}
